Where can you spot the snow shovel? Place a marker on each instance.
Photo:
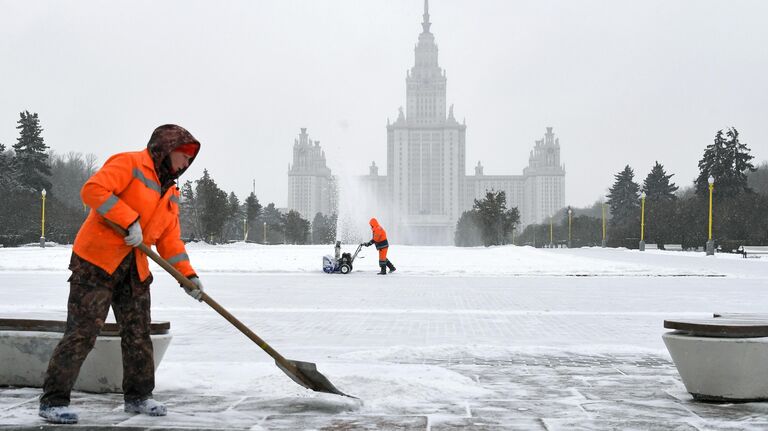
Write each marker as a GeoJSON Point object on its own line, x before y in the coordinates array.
{"type": "Point", "coordinates": [303, 373]}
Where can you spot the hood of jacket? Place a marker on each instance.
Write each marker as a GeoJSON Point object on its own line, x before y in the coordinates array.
{"type": "Point", "coordinates": [162, 142]}
{"type": "Point", "coordinates": [373, 222]}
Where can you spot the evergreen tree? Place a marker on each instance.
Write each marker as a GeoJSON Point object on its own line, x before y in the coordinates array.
{"type": "Point", "coordinates": [233, 227]}
{"type": "Point", "coordinates": [728, 162]}
{"type": "Point", "coordinates": [30, 162]}
{"type": "Point", "coordinates": [511, 219]}
{"type": "Point", "coordinates": [494, 220]}
{"type": "Point", "coordinates": [252, 214]}
{"type": "Point", "coordinates": [624, 198]}
{"type": "Point", "coordinates": [468, 233]}
{"type": "Point", "coordinates": [212, 207]}
{"type": "Point", "coordinates": [274, 221]}
{"type": "Point", "coordinates": [296, 228]}
{"type": "Point", "coordinates": [660, 205]}
{"type": "Point", "coordinates": [742, 164]}
{"type": "Point", "coordinates": [188, 213]}
{"type": "Point", "coordinates": [657, 186]}
{"type": "Point", "coordinates": [7, 180]}
{"type": "Point", "coordinates": [711, 163]}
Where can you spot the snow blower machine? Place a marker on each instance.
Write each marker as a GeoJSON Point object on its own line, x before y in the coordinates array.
{"type": "Point", "coordinates": [340, 263]}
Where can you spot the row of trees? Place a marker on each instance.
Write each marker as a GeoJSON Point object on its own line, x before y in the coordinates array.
{"type": "Point", "coordinates": [207, 212]}
{"type": "Point", "coordinates": [674, 215]}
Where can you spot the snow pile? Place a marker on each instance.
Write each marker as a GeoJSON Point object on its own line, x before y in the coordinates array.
{"type": "Point", "coordinates": [408, 386]}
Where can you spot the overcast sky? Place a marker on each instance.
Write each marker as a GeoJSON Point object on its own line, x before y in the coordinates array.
{"type": "Point", "coordinates": [621, 82]}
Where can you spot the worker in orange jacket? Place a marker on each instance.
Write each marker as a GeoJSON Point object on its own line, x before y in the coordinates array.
{"type": "Point", "coordinates": [380, 239]}
{"type": "Point", "coordinates": [137, 191]}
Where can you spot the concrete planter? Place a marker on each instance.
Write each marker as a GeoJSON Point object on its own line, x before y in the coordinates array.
{"type": "Point", "coordinates": [721, 369]}
{"type": "Point", "coordinates": [26, 347]}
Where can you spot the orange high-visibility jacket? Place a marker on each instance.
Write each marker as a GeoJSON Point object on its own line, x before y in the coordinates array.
{"type": "Point", "coordinates": [125, 189]}
{"type": "Point", "coordinates": [379, 234]}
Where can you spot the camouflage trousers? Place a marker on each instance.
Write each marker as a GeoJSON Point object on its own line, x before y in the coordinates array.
{"type": "Point", "coordinates": [87, 309]}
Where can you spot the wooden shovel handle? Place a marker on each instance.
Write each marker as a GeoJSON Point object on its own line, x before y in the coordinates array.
{"type": "Point", "coordinates": [184, 281]}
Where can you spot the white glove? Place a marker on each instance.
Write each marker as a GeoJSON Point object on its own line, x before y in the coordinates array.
{"type": "Point", "coordinates": [135, 236]}
{"type": "Point", "coordinates": [197, 292]}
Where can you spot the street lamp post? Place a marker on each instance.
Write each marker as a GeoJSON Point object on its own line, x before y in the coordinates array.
{"type": "Point", "coordinates": [570, 213]}
{"type": "Point", "coordinates": [551, 245]}
{"type": "Point", "coordinates": [245, 229]}
{"type": "Point", "coordinates": [42, 230]}
{"type": "Point", "coordinates": [642, 221]}
{"type": "Point", "coordinates": [710, 241]}
{"type": "Point", "coordinates": [603, 243]}
{"type": "Point", "coordinates": [265, 232]}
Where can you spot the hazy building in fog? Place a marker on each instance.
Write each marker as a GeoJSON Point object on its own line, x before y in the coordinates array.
{"type": "Point", "coordinates": [311, 187]}
{"type": "Point", "coordinates": [426, 187]}
{"type": "Point", "coordinates": [425, 152]}
{"type": "Point", "coordinates": [538, 193]}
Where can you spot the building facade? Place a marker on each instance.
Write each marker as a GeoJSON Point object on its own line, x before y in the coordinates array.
{"type": "Point", "coordinates": [425, 152]}
{"type": "Point", "coordinates": [311, 186]}
{"type": "Point", "coordinates": [426, 187]}
{"type": "Point", "coordinates": [544, 181]}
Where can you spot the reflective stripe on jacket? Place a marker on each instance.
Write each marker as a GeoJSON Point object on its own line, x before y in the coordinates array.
{"type": "Point", "coordinates": [125, 189]}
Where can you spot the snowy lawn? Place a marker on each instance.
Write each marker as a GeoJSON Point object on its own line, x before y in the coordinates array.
{"type": "Point", "coordinates": [436, 261]}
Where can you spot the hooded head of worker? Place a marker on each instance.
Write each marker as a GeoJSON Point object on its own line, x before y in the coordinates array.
{"type": "Point", "coordinates": [373, 222]}
{"type": "Point", "coordinates": [172, 149]}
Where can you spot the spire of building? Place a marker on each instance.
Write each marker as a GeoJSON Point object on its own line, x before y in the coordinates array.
{"type": "Point", "coordinates": [426, 81]}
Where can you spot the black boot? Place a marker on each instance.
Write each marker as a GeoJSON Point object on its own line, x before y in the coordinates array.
{"type": "Point", "coordinates": [383, 269]}
{"type": "Point", "coordinates": [391, 267]}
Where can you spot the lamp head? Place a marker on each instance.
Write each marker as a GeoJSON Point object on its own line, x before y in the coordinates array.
{"type": "Point", "coordinates": [711, 180]}
{"type": "Point", "coordinates": [43, 192]}
{"type": "Point", "coordinates": [642, 195]}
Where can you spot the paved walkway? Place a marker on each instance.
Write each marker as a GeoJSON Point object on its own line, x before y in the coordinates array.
{"type": "Point", "coordinates": [459, 353]}
{"type": "Point", "coordinates": [525, 392]}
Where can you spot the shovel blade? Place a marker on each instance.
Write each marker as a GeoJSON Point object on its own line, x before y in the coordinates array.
{"type": "Point", "coordinates": [306, 374]}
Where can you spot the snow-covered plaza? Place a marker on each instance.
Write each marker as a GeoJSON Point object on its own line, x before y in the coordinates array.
{"type": "Point", "coordinates": [458, 338]}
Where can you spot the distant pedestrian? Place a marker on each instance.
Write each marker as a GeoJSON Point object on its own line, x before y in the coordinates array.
{"type": "Point", "coordinates": [380, 239]}
{"type": "Point", "coordinates": [137, 191]}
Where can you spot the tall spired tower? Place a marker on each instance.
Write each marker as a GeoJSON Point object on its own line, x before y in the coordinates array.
{"type": "Point", "coordinates": [425, 153]}
{"type": "Point", "coordinates": [425, 82]}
